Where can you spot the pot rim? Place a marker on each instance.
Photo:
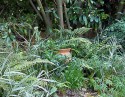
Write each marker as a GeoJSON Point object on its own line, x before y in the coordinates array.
{"type": "Point", "coordinates": [66, 49]}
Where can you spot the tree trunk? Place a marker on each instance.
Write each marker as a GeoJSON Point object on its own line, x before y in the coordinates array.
{"type": "Point", "coordinates": [47, 21]}
{"type": "Point", "coordinates": [31, 2]}
{"type": "Point", "coordinates": [60, 13]}
{"type": "Point", "coordinates": [47, 13]}
{"type": "Point", "coordinates": [66, 16]}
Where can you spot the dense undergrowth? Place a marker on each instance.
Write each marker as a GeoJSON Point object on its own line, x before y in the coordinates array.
{"type": "Point", "coordinates": [37, 70]}
{"type": "Point", "coordinates": [33, 31]}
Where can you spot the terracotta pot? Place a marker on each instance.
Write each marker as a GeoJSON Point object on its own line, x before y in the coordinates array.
{"type": "Point", "coordinates": [65, 51]}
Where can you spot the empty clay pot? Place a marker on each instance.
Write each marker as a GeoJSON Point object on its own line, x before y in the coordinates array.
{"type": "Point", "coordinates": [65, 51]}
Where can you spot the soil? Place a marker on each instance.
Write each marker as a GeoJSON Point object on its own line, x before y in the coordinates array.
{"type": "Point", "coordinates": [81, 93]}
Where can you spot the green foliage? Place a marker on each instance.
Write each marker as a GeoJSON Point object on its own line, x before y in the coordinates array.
{"type": "Point", "coordinates": [68, 33]}
{"type": "Point", "coordinates": [79, 46]}
{"type": "Point", "coordinates": [97, 65]}
{"type": "Point", "coordinates": [40, 71]}
{"type": "Point", "coordinates": [14, 31]}
{"type": "Point", "coordinates": [27, 76]}
{"type": "Point", "coordinates": [29, 18]}
{"type": "Point", "coordinates": [106, 67]}
{"type": "Point", "coordinates": [118, 30]}
{"type": "Point", "coordinates": [19, 35]}
{"type": "Point", "coordinates": [17, 7]}
{"type": "Point", "coordinates": [87, 13]}
{"type": "Point", "coordinates": [73, 74]}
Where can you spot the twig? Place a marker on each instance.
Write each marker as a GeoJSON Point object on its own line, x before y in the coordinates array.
{"type": "Point", "coordinates": [4, 52]}
{"type": "Point", "coordinates": [20, 34]}
{"type": "Point", "coordinates": [66, 16]}
{"type": "Point", "coordinates": [31, 2]}
{"type": "Point", "coordinates": [2, 10]}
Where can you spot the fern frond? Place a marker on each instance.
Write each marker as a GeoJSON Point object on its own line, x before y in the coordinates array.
{"type": "Point", "coordinates": [81, 40]}
{"type": "Point", "coordinates": [66, 33]}
{"type": "Point", "coordinates": [77, 42]}
{"type": "Point", "coordinates": [81, 30]}
{"type": "Point", "coordinates": [27, 64]}
{"type": "Point", "coordinates": [14, 73]}
{"type": "Point", "coordinates": [77, 31]}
